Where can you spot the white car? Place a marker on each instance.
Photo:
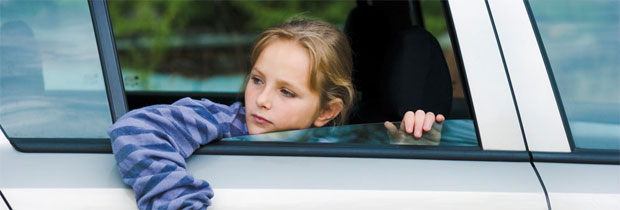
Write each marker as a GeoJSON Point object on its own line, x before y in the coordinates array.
{"type": "Point", "coordinates": [544, 131]}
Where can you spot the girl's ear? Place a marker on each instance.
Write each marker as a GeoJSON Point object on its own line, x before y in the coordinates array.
{"type": "Point", "coordinates": [329, 112]}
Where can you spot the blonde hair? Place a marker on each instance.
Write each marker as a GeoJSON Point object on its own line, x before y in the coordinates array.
{"type": "Point", "coordinates": [331, 63]}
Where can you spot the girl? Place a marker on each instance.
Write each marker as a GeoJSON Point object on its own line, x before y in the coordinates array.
{"type": "Point", "coordinates": [300, 78]}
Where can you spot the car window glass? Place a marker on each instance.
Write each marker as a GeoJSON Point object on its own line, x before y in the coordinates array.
{"type": "Point", "coordinates": [445, 134]}
{"type": "Point", "coordinates": [51, 82]}
{"type": "Point", "coordinates": [581, 41]}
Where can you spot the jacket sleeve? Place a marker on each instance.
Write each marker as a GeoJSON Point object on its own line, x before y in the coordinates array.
{"type": "Point", "coordinates": [151, 144]}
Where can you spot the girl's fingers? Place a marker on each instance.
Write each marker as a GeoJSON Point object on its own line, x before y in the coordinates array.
{"type": "Point", "coordinates": [408, 121]}
{"type": "Point", "coordinates": [391, 128]}
{"type": "Point", "coordinates": [418, 123]}
{"type": "Point", "coordinates": [428, 121]}
{"type": "Point", "coordinates": [440, 118]}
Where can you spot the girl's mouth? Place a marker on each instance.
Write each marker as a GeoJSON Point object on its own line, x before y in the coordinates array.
{"type": "Point", "coordinates": [260, 119]}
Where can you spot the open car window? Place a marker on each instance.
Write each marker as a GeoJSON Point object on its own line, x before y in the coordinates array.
{"type": "Point", "coordinates": [204, 53]}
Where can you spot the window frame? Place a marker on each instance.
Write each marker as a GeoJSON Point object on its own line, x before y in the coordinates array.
{"type": "Point", "coordinates": [109, 61]}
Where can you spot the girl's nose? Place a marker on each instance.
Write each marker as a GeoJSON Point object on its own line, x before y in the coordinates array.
{"type": "Point", "coordinates": [264, 99]}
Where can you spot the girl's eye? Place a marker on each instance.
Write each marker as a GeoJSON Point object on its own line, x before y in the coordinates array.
{"type": "Point", "coordinates": [257, 80]}
{"type": "Point", "coordinates": [287, 93]}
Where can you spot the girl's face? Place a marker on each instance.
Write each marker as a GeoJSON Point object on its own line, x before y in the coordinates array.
{"type": "Point", "coordinates": [278, 95]}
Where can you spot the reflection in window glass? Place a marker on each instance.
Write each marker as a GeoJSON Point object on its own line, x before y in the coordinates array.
{"type": "Point", "coordinates": [582, 42]}
{"type": "Point", "coordinates": [51, 83]}
{"type": "Point", "coordinates": [448, 133]}
{"type": "Point", "coordinates": [200, 46]}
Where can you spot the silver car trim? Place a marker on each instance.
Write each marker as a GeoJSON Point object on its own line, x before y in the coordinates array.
{"type": "Point", "coordinates": [542, 123]}
{"type": "Point", "coordinates": [492, 101]}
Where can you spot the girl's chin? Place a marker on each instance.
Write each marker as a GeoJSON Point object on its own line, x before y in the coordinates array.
{"type": "Point", "coordinates": [253, 130]}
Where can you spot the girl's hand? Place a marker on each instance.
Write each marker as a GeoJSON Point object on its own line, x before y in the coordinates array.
{"type": "Point", "coordinates": [413, 123]}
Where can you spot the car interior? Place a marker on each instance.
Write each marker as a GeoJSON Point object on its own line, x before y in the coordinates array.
{"type": "Point", "coordinates": [399, 66]}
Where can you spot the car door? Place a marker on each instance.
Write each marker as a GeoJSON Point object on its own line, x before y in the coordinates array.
{"type": "Point", "coordinates": [565, 79]}
{"type": "Point", "coordinates": [65, 162]}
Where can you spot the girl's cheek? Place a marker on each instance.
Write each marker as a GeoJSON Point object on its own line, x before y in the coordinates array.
{"type": "Point", "coordinates": [288, 101]}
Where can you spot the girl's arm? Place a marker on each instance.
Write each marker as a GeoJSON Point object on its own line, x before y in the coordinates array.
{"type": "Point", "coordinates": [151, 144]}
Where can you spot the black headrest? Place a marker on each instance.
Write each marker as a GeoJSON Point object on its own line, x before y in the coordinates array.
{"type": "Point", "coordinates": [397, 66]}
{"type": "Point", "coordinates": [418, 74]}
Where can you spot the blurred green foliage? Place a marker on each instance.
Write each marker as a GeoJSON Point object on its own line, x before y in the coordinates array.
{"type": "Point", "coordinates": [158, 21]}
{"type": "Point", "coordinates": [268, 13]}
{"type": "Point", "coordinates": [202, 38]}
{"type": "Point", "coordinates": [434, 20]}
